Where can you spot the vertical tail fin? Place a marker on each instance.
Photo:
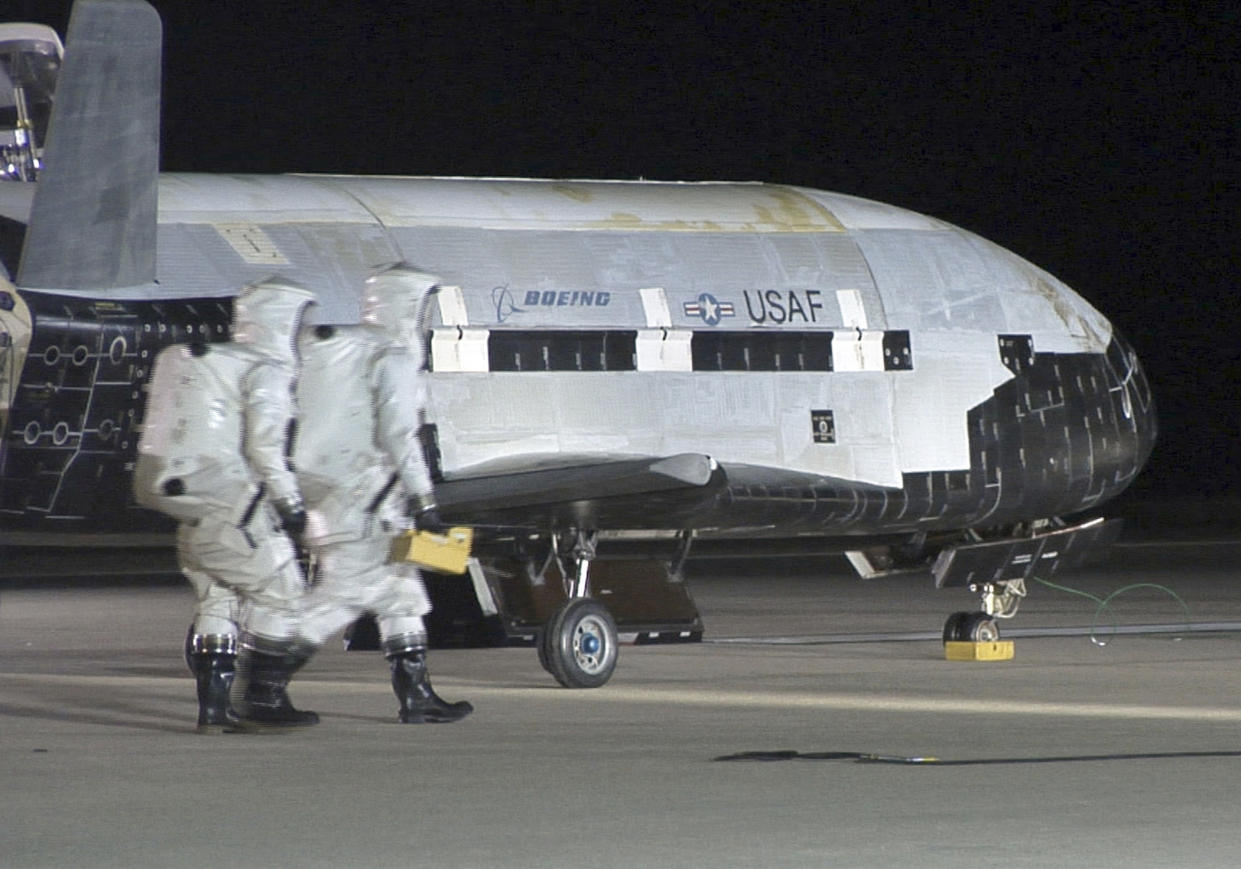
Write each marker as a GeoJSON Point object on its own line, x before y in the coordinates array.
{"type": "Point", "coordinates": [92, 223]}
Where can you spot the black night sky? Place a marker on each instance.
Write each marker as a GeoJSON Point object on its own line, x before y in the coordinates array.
{"type": "Point", "coordinates": [1099, 141]}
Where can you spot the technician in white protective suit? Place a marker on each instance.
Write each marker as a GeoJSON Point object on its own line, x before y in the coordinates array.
{"type": "Point", "coordinates": [360, 464]}
{"type": "Point", "coordinates": [214, 454]}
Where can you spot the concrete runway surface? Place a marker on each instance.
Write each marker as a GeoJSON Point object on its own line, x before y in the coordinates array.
{"type": "Point", "coordinates": [1072, 754]}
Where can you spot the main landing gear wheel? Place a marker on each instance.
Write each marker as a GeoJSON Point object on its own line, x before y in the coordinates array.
{"type": "Point", "coordinates": [579, 645]}
{"type": "Point", "coordinates": [977, 627]}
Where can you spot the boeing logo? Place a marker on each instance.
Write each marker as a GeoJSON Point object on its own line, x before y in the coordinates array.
{"type": "Point", "coordinates": [568, 299]}
{"type": "Point", "coordinates": [709, 309]}
{"type": "Point", "coordinates": [506, 304]}
{"type": "Point", "coordinates": [502, 298]}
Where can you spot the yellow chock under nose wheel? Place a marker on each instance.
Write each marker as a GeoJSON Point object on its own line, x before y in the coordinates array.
{"type": "Point", "coordinates": [999, 650]}
{"type": "Point", "coordinates": [974, 636]}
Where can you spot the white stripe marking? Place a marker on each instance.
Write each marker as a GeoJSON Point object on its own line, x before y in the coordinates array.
{"type": "Point", "coordinates": [709, 698]}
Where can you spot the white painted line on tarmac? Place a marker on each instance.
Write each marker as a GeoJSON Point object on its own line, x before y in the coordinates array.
{"type": "Point", "coordinates": [679, 696]}
{"type": "Point", "coordinates": [914, 704]}
{"type": "Point", "coordinates": [1103, 631]}
{"type": "Point", "coordinates": [102, 681]}
{"type": "Point", "coordinates": [864, 703]}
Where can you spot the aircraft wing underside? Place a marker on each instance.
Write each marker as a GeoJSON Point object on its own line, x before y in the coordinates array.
{"type": "Point", "coordinates": [689, 490]}
{"type": "Point", "coordinates": [599, 491]}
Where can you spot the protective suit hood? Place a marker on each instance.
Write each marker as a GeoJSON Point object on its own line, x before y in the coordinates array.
{"type": "Point", "coordinates": [267, 316]}
{"type": "Point", "coordinates": [393, 301]}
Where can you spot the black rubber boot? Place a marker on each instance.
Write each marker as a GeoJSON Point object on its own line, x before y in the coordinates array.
{"type": "Point", "coordinates": [260, 696]}
{"type": "Point", "coordinates": [212, 659]}
{"type": "Point", "coordinates": [419, 702]}
{"type": "Point", "coordinates": [189, 648]}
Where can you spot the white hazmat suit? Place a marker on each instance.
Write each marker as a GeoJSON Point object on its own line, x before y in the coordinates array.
{"type": "Point", "coordinates": [359, 462]}
{"type": "Point", "coordinates": [214, 455]}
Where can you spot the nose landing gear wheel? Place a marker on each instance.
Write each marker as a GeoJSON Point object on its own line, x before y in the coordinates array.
{"type": "Point", "coordinates": [975, 627]}
{"type": "Point", "coordinates": [579, 644]}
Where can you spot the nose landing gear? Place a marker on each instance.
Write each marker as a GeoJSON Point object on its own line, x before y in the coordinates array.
{"type": "Point", "coordinates": [1000, 600]}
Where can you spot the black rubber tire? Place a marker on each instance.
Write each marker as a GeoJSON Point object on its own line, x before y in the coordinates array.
{"type": "Point", "coordinates": [954, 628]}
{"type": "Point", "coordinates": [975, 627]}
{"type": "Point", "coordinates": [580, 644]}
{"type": "Point", "coordinates": [541, 644]}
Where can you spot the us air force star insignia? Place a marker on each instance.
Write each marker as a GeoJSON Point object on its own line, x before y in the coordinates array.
{"type": "Point", "coordinates": [709, 309]}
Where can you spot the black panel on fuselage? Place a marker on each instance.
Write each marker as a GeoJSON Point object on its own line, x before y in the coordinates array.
{"type": "Point", "coordinates": [72, 436]}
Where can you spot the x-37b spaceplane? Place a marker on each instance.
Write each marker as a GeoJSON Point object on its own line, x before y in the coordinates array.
{"type": "Point", "coordinates": [623, 374]}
